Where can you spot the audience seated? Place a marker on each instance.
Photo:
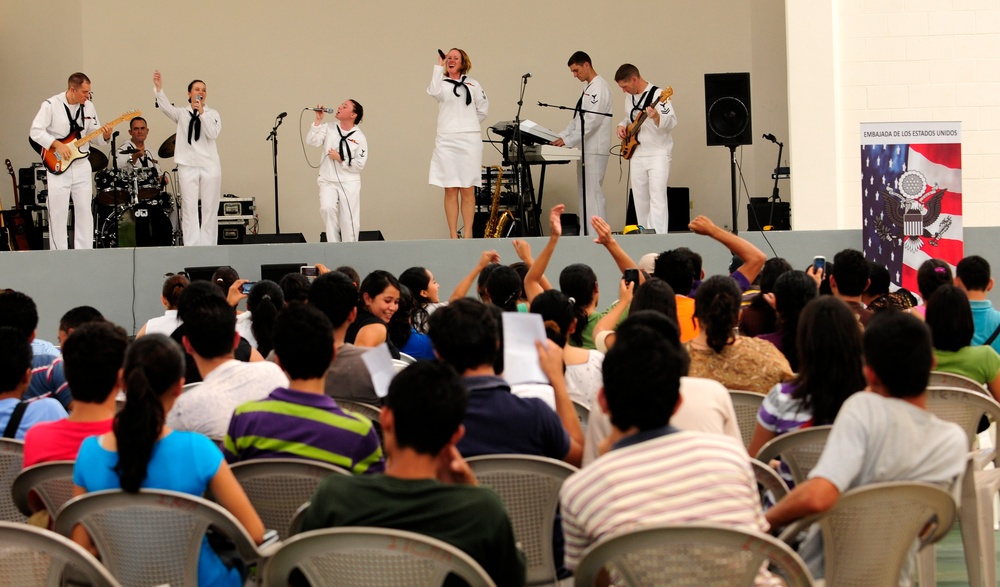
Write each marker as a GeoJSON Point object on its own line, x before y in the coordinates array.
{"type": "Point", "coordinates": [877, 296]}
{"type": "Point", "coordinates": [93, 355]}
{"type": "Point", "coordinates": [426, 298]}
{"type": "Point", "coordinates": [17, 416]}
{"type": "Point", "coordinates": [465, 336]}
{"type": "Point", "coordinates": [830, 358]}
{"type": "Point", "coordinates": [652, 294]}
{"type": "Point", "coordinates": [378, 301]}
{"type": "Point", "coordinates": [792, 291]}
{"type": "Point", "coordinates": [719, 353]}
{"type": "Point", "coordinates": [427, 487]}
{"type": "Point", "coordinates": [848, 277]}
{"type": "Point", "coordinates": [583, 367]}
{"type": "Point", "coordinates": [949, 316]}
{"type": "Point", "coordinates": [885, 434]}
{"type": "Point", "coordinates": [210, 338]}
{"type": "Point", "coordinates": [932, 274]}
{"type": "Point", "coordinates": [145, 453]}
{"type": "Point", "coordinates": [294, 287]}
{"type": "Point", "coordinates": [677, 269]}
{"type": "Point", "coordinates": [705, 404]}
{"type": "Point", "coordinates": [173, 286]}
{"type": "Point", "coordinates": [256, 325]}
{"type": "Point", "coordinates": [17, 310]}
{"type": "Point", "coordinates": [300, 421]}
{"type": "Point", "coordinates": [348, 378]}
{"type": "Point", "coordinates": [504, 289]}
{"type": "Point", "coordinates": [655, 473]}
{"type": "Point", "coordinates": [752, 258]}
{"type": "Point", "coordinates": [972, 274]}
{"type": "Point", "coordinates": [76, 317]}
{"type": "Point", "coordinates": [758, 316]}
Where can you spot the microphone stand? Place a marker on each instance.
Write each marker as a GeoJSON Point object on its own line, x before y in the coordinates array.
{"type": "Point", "coordinates": [518, 162]}
{"type": "Point", "coordinates": [273, 137]}
{"type": "Point", "coordinates": [774, 192]}
{"type": "Point", "coordinates": [583, 154]}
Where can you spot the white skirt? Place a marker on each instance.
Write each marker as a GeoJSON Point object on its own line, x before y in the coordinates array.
{"type": "Point", "coordinates": [457, 161]}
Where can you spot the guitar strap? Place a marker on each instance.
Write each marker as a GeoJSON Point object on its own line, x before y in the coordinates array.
{"type": "Point", "coordinates": [75, 128]}
{"type": "Point", "coordinates": [645, 102]}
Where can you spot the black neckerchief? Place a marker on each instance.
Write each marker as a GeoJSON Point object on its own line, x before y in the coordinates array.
{"type": "Point", "coordinates": [460, 84]}
{"type": "Point", "coordinates": [194, 126]}
{"type": "Point", "coordinates": [343, 148]}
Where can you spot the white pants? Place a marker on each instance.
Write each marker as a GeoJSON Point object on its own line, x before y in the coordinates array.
{"type": "Point", "coordinates": [74, 183]}
{"type": "Point", "coordinates": [204, 183]}
{"type": "Point", "coordinates": [340, 208]}
{"type": "Point", "coordinates": [649, 191]}
{"type": "Point", "coordinates": [596, 166]}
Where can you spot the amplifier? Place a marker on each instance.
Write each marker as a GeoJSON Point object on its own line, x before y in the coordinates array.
{"type": "Point", "coordinates": [230, 205]}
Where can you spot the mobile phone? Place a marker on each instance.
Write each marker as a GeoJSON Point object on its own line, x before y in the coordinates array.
{"type": "Point", "coordinates": [246, 287]}
{"type": "Point", "coordinates": [441, 53]}
{"type": "Point", "coordinates": [308, 270]}
{"type": "Point", "coordinates": [631, 276]}
{"type": "Point", "coordinates": [819, 264]}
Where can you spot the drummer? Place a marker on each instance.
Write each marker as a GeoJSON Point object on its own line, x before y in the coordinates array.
{"type": "Point", "coordinates": [133, 154]}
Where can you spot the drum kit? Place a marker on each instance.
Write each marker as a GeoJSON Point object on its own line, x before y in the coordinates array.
{"type": "Point", "coordinates": [132, 206]}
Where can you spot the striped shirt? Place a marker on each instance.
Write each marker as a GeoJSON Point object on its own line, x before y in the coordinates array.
{"type": "Point", "coordinates": [685, 477]}
{"type": "Point", "coordinates": [297, 424]}
{"type": "Point", "coordinates": [781, 413]}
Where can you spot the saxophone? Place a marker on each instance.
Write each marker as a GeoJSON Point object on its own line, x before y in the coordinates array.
{"type": "Point", "coordinates": [496, 226]}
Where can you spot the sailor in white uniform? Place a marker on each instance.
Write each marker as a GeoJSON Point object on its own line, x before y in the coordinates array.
{"type": "Point", "coordinates": [345, 153]}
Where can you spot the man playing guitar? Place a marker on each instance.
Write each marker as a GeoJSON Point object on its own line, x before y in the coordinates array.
{"type": "Point", "coordinates": [69, 114]}
{"type": "Point", "coordinates": [650, 166]}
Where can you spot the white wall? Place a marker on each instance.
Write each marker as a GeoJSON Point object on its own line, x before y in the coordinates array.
{"type": "Point", "coordinates": [259, 59]}
{"type": "Point", "coordinates": [853, 61]}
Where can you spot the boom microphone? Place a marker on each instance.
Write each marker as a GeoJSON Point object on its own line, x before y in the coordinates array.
{"type": "Point", "coordinates": [771, 138]}
{"type": "Point", "coordinates": [282, 115]}
{"type": "Point", "coordinates": [526, 76]}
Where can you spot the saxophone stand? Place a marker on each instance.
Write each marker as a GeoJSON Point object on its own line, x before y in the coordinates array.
{"type": "Point", "coordinates": [580, 111]}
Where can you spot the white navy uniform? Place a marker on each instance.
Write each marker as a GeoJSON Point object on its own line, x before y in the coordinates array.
{"type": "Point", "coordinates": [199, 171]}
{"type": "Point", "coordinates": [596, 97]}
{"type": "Point", "coordinates": [340, 181]}
{"type": "Point", "coordinates": [51, 123]}
{"type": "Point", "coordinates": [458, 149]}
{"type": "Point", "coordinates": [650, 166]}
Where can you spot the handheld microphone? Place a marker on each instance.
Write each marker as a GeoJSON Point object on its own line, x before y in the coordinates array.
{"type": "Point", "coordinates": [526, 76]}
{"type": "Point", "coordinates": [327, 110]}
{"type": "Point", "coordinates": [770, 137]}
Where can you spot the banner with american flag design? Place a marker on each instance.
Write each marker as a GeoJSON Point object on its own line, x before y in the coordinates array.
{"type": "Point", "coordinates": [911, 192]}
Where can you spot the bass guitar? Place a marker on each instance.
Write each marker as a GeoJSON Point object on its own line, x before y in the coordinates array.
{"type": "Point", "coordinates": [56, 164]}
{"type": "Point", "coordinates": [18, 223]}
{"type": "Point", "coordinates": [631, 140]}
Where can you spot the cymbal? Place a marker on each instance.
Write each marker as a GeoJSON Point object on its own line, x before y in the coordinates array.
{"type": "Point", "coordinates": [167, 148]}
{"type": "Point", "coordinates": [98, 160]}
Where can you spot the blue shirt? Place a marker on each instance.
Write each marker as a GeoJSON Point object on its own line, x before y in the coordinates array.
{"type": "Point", "coordinates": [499, 422]}
{"type": "Point", "coordinates": [45, 409]}
{"type": "Point", "coordinates": [47, 377]}
{"type": "Point", "coordinates": [986, 320]}
{"type": "Point", "coordinates": [181, 461]}
{"type": "Point", "coordinates": [418, 346]}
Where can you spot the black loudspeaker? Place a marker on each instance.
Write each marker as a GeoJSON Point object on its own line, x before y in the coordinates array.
{"type": "Point", "coordinates": [275, 271]}
{"type": "Point", "coordinates": [232, 234]}
{"type": "Point", "coordinates": [274, 239]}
{"type": "Point", "coordinates": [678, 209]}
{"type": "Point", "coordinates": [370, 235]}
{"type": "Point", "coordinates": [26, 186]}
{"type": "Point", "coordinates": [200, 273]}
{"type": "Point", "coordinates": [570, 224]}
{"type": "Point", "coordinates": [763, 212]}
{"type": "Point", "coordinates": [727, 109]}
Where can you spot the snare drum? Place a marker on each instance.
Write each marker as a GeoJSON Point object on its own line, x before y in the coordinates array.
{"type": "Point", "coordinates": [148, 182]}
{"type": "Point", "coordinates": [112, 188]}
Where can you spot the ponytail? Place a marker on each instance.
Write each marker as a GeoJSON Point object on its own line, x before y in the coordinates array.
{"type": "Point", "coordinates": [264, 301]}
{"type": "Point", "coordinates": [717, 307]}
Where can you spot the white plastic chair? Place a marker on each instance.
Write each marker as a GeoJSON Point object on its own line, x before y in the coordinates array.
{"type": "Point", "coordinates": [153, 537]}
{"type": "Point", "coordinates": [360, 556]}
{"type": "Point", "coordinates": [32, 557]}
{"type": "Point", "coordinates": [942, 379]}
{"type": "Point", "coordinates": [768, 480]}
{"type": "Point", "coordinates": [373, 413]}
{"type": "Point", "coordinates": [582, 412]}
{"type": "Point", "coordinates": [746, 404]}
{"type": "Point", "coordinates": [706, 555]}
{"type": "Point", "coordinates": [409, 360]}
{"type": "Point", "coordinates": [529, 488]}
{"type": "Point", "coordinates": [277, 488]}
{"type": "Point", "coordinates": [799, 450]}
{"type": "Point", "coordinates": [11, 463]}
{"type": "Point", "coordinates": [51, 483]}
{"type": "Point", "coordinates": [869, 533]}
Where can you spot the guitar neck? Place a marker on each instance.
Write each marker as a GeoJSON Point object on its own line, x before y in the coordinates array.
{"type": "Point", "coordinates": [86, 139]}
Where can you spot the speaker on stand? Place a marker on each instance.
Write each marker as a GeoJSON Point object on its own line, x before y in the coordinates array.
{"type": "Point", "coordinates": [727, 119]}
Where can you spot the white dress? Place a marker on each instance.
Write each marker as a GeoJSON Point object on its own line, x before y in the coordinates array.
{"type": "Point", "coordinates": [458, 149]}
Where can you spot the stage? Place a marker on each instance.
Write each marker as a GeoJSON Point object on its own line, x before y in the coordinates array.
{"type": "Point", "coordinates": [124, 284]}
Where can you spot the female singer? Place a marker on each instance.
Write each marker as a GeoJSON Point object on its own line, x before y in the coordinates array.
{"type": "Point", "coordinates": [458, 150]}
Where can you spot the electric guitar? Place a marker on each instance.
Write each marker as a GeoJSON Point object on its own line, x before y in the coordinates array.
{"type": "Point", "coordinates": [631, 140]}
{"type": "Point", "coordinates": [56, 164]}
{"type": "Point", "coordinates": [14, 221]}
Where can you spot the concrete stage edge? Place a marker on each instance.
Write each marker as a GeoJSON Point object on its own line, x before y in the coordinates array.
{"type": "Point", "coordinates": [124, 284]}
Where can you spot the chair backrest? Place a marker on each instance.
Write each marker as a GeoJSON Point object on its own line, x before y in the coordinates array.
{"type": "Point", "coordinates": [278, 487]}
{"type": "Point", "coordinates": [408, 359]}
{"type": "Point", "coordinates": [868, 534]}
{"type": "Point", "coordinates": [32, 557]}
{"type": "Point", "coordinates": [942, 379]}
{"type": "Point", "coordinates": [151, 537]}
{"type": "Point", "coordinates": [706, 555]}
{"type": "Point", "coordinates": [11, 463]}
{"type": "Point", "coordinates": [799, 450]}
{"type": "Point", "coordinates": [399, 365]}
{"type": "Point", "coordinates": [529, 488]}
{"type": "Point", "coordinates": [582, 412]}
{"type": "Point", "coordinates": [373, 413]}
{"type": "Point", "coordinates": [746, 404]}
{"type": "Point", "coordinates": [189, 386]}
{"type": "Point", "coordinates": [963, 407]}
{"type": "Point", "coordinates": [362, 556]}
{"type": "Point", "coordinates": [51, 482]}
{"type": "Point", "coordinates": [768, 480]}
{"type": "Point", "coordinates": [298, 518]}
